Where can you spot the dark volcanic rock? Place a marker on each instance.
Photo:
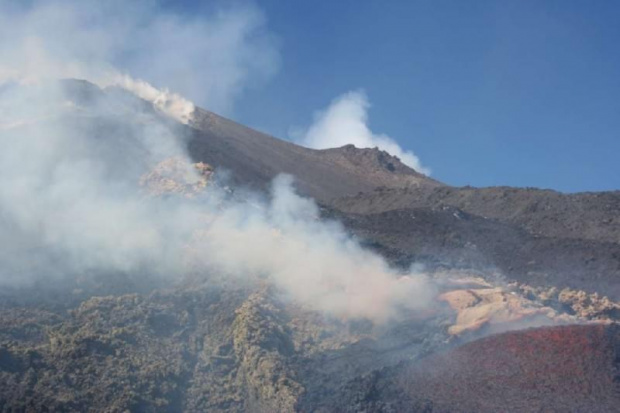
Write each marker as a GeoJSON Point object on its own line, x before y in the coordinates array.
{"type": "Point", "coordinates": [589, 215]}
{"type": "Point", "coordinates": [449, 237]}
{"type": "Point", "coordinates": [553, 369]}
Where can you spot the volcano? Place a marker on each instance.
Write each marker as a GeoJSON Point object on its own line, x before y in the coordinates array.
{"type": "Point", "coordinates": [524, 281]}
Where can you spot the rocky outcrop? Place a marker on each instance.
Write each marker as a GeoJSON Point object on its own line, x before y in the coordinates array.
{"type": "Point", "coordinates": [580, 303]}
{"type": "Point", "coordinates": [177, 176]}
{"type": "Point", "coordinates": [494, 309]}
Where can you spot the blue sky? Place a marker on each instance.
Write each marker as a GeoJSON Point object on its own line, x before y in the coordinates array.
{"type": "Point", "coordinates": [521, 93]}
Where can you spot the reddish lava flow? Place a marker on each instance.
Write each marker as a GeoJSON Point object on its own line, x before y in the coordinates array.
{"type": "Point", "coordinates": [553, 369]}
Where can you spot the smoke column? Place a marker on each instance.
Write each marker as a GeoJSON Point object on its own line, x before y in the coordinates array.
{"type": "Point", "coordinates": [73, 156]}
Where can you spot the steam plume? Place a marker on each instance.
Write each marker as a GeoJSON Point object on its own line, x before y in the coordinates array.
{"type": "Point", "coordinates": [170, 103]}
{"type": "Point", "coordinates": [315, 263]}
{"type": "Point", "coordinates": [345, 121]}
{"type": "Point", "coordinates": [69, 193]}
{"type": "Point", "coordinates": [73, 154]}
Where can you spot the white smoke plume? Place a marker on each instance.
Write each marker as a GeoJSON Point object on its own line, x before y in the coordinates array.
{"type": "Point", "coordinates": [73, 154]}
{"type": "Point", "coordinates": [345, 121]}
{"type": "Point", "coordinates": [170, 103]}
{"type": "Point", "coordinates": [70, 204]}
{"type": "Point", "coordinates": [313, 262]}
{"type": "Point", "coordinates": [69, 195]}
{"type": "Point", "coordinates": [210, 58]}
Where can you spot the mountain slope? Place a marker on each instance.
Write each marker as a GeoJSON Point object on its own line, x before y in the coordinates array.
{"type": "Point", "coordinates": [255, 159]}
{"type": "Point", "coordinates": [589, 215]}
{"type": "Point", "coordinates": [539, 237]}
{"type": "Point", "coordinates": [447, 237]}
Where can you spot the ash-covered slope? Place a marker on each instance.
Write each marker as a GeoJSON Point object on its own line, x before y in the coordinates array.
{"type": "Point", "coordinates": [589, 215]}
{"type": "Point", "coordinates": [449, 237]}
{"type": "Point", "coordinates": [255, 158]}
